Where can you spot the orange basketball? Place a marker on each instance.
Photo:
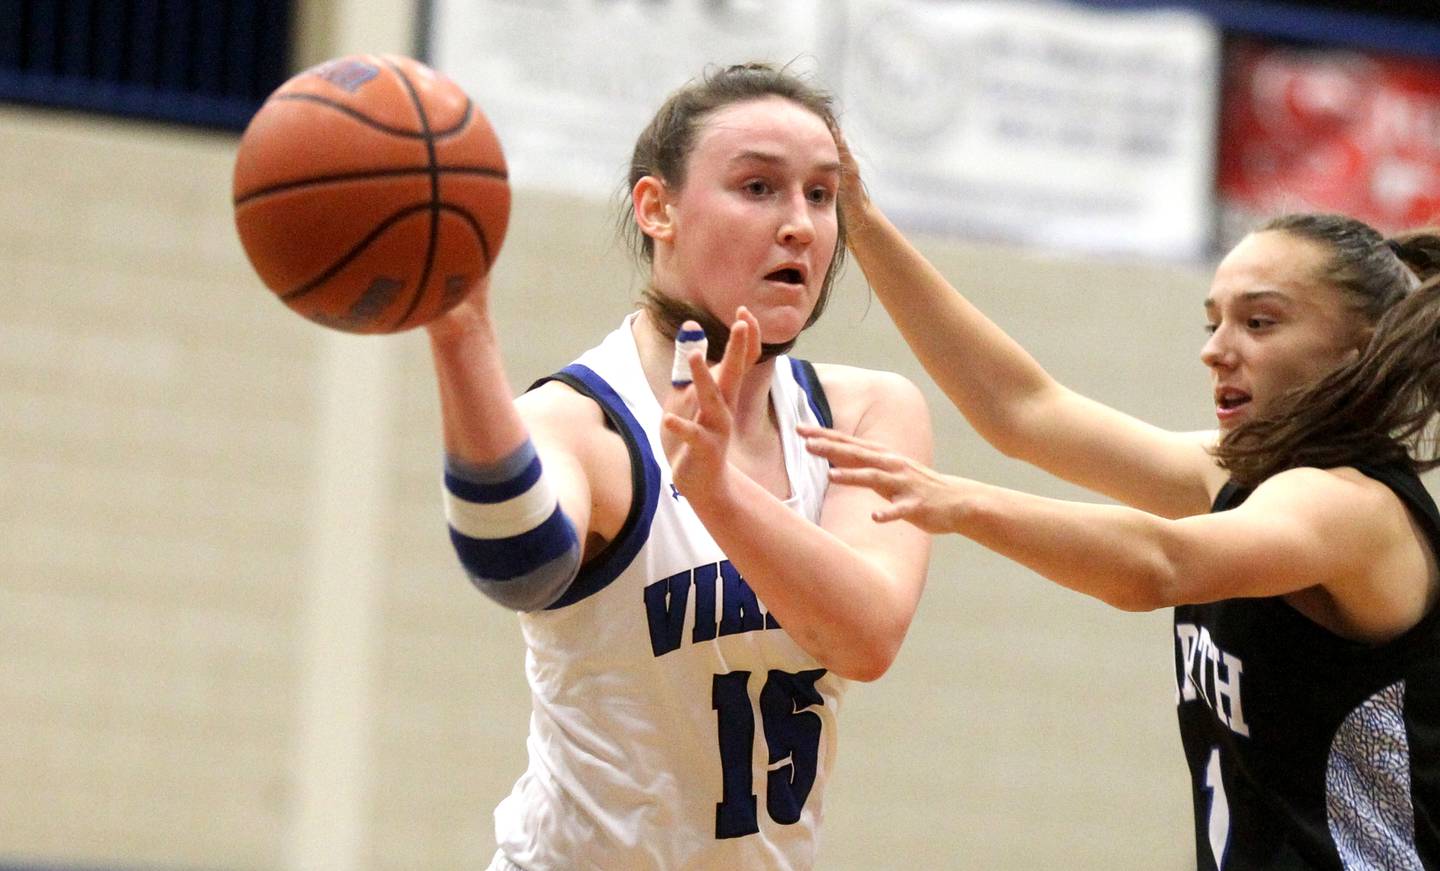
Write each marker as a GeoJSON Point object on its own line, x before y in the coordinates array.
{"type": "Point", "coordinates": [370, 193]}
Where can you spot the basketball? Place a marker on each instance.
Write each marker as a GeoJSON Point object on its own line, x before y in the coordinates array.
{"type": "Point", "coordinates": [370, 193]}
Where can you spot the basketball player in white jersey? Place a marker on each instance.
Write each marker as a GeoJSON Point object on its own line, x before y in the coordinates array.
{"type": "Point", "coordinates": [694, 595]}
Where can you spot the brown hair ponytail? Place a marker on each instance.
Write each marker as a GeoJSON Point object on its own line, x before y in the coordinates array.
{"type": "Point", "coordinates": [1381, 407]}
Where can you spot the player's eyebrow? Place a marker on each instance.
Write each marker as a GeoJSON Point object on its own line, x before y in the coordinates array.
{"type": "Point", "coordinates": [1251, 296]}
{"type": "Point", "coordinates": [751, 155]}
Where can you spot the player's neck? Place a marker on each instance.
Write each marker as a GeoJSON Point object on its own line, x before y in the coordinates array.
{"type": "Point", "coordinates": [753, 415]}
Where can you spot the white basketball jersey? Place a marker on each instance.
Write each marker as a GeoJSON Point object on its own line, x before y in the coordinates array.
{"type": "Point", "coordinates": [674, 724]}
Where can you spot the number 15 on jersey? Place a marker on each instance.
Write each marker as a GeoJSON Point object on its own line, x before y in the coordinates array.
{"type": "Point", "coordinates": [792, 734]}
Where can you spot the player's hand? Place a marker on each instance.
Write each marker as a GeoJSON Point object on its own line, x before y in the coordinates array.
{"type": "Point", "coordinates": [916, 493]}
{"type": "Point", "coordinates": [700, 417]}
{"type": "Point", "coordinates": [854, 198]}
{"type": "Point", "coordinates": [471, 312]}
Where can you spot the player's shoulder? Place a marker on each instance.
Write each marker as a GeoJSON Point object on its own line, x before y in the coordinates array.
{"type": "Point", "coordinates": [843, 382]}
{"type": "Point", "coordinates": [560, 410]}
{"type": "Point", "coordinates": [1340, 501]}
{"type": "Point", "coordinates": [855, 393]}
{"type": "Point", "coordinates": [1345, 486]}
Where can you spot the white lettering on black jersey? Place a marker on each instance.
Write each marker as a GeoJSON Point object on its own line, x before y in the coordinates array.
{"type": "Point", "coordinates": [1211, 674]}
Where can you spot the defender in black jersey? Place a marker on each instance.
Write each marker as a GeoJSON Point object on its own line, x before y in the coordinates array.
{"type": "Point", "coordinates": [1307, 640]}
{"type": "Point", "coordinates": [1308, 749]}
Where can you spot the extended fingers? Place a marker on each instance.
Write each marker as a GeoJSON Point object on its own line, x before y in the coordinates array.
{"type": "Point", "coordinates": [687, 431]}
{"type": "Point", "coordinates": [712, 402]}
{"type": "Point", "coordinates": [903, 507]}
{"type": "Point", "coordinates": [852, 187]}
{"type": "Point", "coordinates": [901, 503]}
{"type": "Point", "coordinates": [882, 482]}
{"type": "Point", "coordinates": [835, 435]}
{"type": "Point", "coordinates": [754, 346]}
{"type": "Point", "coordinates": [854, 453]}
{"type": "Point", "coordinates": [741, 352]}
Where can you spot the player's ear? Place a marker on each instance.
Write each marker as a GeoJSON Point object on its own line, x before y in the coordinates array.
{"type": "Point", "coordinates": [651, 199]}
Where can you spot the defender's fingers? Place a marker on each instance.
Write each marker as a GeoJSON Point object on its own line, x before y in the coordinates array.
{"type": "Point", "coordinates": [881, 482]}
{"type": "Point", "coordinates": [888, 514]}
{"type": "Point", "coordinates": [908, 509]}
{"type": "Point", "coordinates": [852, 455]}
{"type": "Point", "coordinates": [835, 451]}
{"type": "Point", "coordinates": [852, 185]}
{"type": "Point", "coordinates": [835, 435]}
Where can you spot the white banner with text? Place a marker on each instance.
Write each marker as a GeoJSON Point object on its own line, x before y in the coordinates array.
{"type": "Point", "coordinates": [1040, 123]}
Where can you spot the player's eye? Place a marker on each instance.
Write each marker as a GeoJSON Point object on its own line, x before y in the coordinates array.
{"type": "Point", "coordinates": [821, 195]}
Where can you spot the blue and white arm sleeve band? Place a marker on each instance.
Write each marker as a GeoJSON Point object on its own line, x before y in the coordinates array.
{"type": "Point", "coordinates": [514, 541]}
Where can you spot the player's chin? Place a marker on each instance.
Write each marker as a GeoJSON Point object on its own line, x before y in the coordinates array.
{"type": "Point", "coordinates": [784, 322]}
{"type": "Point", "coordinates": [781, 331]}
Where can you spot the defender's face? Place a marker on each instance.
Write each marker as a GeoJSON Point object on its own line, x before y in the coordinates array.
{"type": "Point", "coordinates": [1274, 324]}
{"type": "Point", "coordinates": [755, 223]}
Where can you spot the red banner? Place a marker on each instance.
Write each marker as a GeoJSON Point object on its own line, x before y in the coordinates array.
{"type": "Point", "coordinates": [1324, 130]}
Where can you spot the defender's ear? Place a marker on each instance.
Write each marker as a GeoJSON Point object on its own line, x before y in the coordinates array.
{"type": "Point", "coordinates": [651, 199]}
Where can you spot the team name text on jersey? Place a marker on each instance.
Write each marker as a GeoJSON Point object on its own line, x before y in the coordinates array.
{"type": "Point", "coordinates": [718, 588]}
{"type": "Point", "coordinates": [1211, 674]}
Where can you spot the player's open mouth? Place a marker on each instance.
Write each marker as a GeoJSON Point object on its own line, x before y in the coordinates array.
{"type": "Point", "coordinates": [1228, 401]}
{"type": "Point", "coordinates": [787, 275]}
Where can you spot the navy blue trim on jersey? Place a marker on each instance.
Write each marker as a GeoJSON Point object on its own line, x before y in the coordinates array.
{"type": "Point", "coordinates": [814, 392]}
{"type": "Point", "coordinates": [599, 572]}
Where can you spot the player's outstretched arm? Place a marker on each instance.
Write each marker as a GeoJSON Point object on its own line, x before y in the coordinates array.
{"type": "Point", "coordinates": [516, 500]}
{"type": "Point", "coordinates": [846, 589]}
{"type": "Point", "coordinates": [1305, 528]}
{"type": "Point", "coordinates": [1010, 400]}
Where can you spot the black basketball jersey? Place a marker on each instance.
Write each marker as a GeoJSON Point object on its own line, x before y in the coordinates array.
{"type": "Point", "coordinates": [1308, 750]}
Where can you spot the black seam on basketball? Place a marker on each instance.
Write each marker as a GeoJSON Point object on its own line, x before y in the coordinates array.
{"type": "Point", "coordinates": [366, 175]}
{"type": "Point", "coordinates": [501, 174]}
{"type": "Point", "coordinates": [354, 252]}
{"type": "Point", "coordinates": [459, 125]}
{"type": "Point", "coordinates": [358, 116]}
{"type": "Point", "coordinates": [434, 239]}
{"type": "Point", "coordinates": [474, 225]}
